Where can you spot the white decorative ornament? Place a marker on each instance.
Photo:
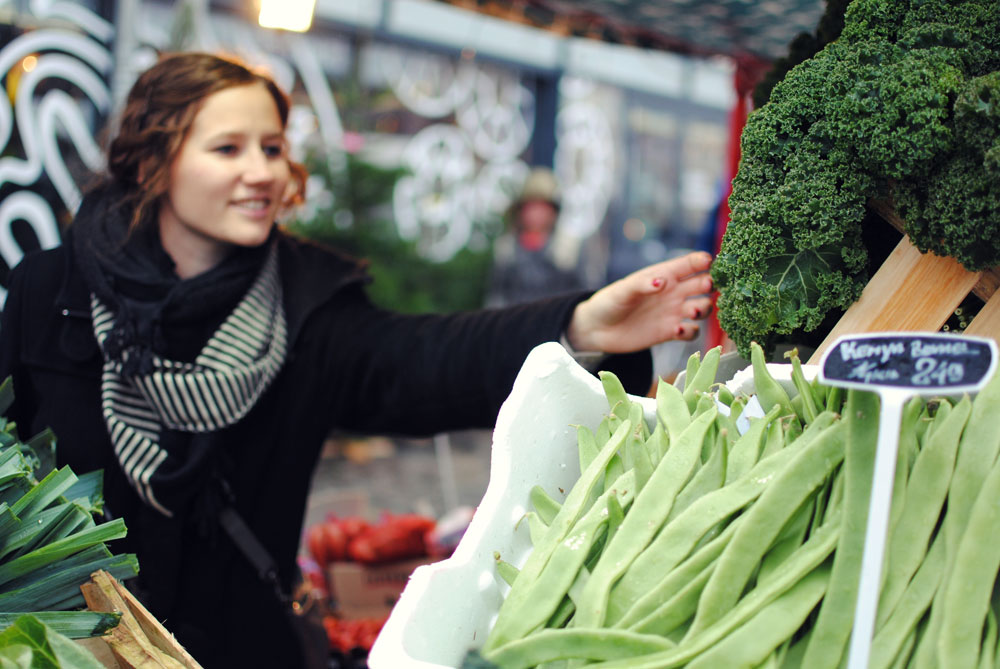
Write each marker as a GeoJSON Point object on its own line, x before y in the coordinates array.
{"type": "Point", "coordinates": [58, 107]}
{"type": "Point", "coordinates": [30, 207]}
{"type": "Point", "coordinates": [32, 122]}
{"type": "Point", "coordinates": [432, 86]}
{"type": "Point", "coordinates": [433, 206]}
{"type": "Point", "coordinates": [76, 14]}
{"type": "Point", "coordinates": [499, 116]}
{"type": "Point", "coordinates": [584, 162]}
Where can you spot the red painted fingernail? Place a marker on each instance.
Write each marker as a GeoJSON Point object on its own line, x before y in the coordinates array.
{"type": "Point", "coordinates": [657, 283]}
{"type": "Point", "coordinates": [697, 313]}
{"type": "Point", "coordinates": [680, 330]}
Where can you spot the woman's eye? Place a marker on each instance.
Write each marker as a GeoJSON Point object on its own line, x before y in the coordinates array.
{"type": "Point", "coordinates": [226, 149]}
{"type": "Point", "coordinates": [274, 151]}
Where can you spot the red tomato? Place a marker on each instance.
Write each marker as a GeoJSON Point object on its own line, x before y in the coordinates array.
{"type": "Point", "coordinates": [335, 541]}
{"type": "Point", "coordinates": [353, 526]}
{"type": "Point", "coordinates": [316, 543]}
{"type": "Point", "coordinates": [394, 538]}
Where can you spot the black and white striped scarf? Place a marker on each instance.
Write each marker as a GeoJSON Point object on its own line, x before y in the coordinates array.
{"type": "Point", "coordinates": [214, 391]}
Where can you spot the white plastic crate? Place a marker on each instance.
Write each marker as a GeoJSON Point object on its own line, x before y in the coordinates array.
{"type": "Point", "coordinates": [449, 607]}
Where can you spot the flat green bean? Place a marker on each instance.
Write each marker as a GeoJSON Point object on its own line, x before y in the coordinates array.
{"type": "Point", "coordinates": [777, 436]}
{"type": "Point", "coordinates": [576, 643]}
{"type": "Point", "coordinates": [747, 449]}
{"type": "Point", "coordinates": [905, 455]}
{"type": "Point", "coordinates": [536, 526]}
{"type": "Point", "coordinates": [637, 414]}
{"type": "Point", "coordinates": [642, 463]}
{"type": "Point", "coordinates": [657, 443]}
{"type": "Point", "coordinates": [835, 399]}
{"type": "Point", "coordinates": [913, 604]}
{"type": "Point", "coordinates": [549, 589]}
{"type": "Point", "coordinates": [615, 469]}
{"type": "Point", "coordinates": [651, 507]}
{"type": "Point", "coordinates": [671, 410]}
{"type": "Point", "coordinates": [810, 404]}
{"type": "Point", "coordinates": [511, 610]}
{"type": "Point", "coordinates": [724, 394]}
{"type": "Point", "coordinates": [753, 603]}
{"type": "Point", "coordinates": [979, 445]}
{"type": "Point", "coordinates": [836, 495]}
{"type": "Point", "coordinates": [709, 477]}
{"type": "Point", "coordinates": [616, 515]}
{"type": "Point", "coordinates": [772, 626]}
{"type": "Point", "coordinates": [645, 609]}
{"type": "Point", "coordinates": [821, 392]}
{"type": "Point", "coordinates": [790, 486]}
{"type": "Point", "coordinates": [676, 540]}
{"type": "Point", "coordinates": [903, 658]}
{"type": "Point", "coordinates": [927, 490]}
{"type": "Point", "coordinates": [769, 392]}
{"type": "Point", "coordinates": [832, 628]}
{"type": "Point", "coordinates": [725, 423]}
{"type": "Point", "coordinates": [967, 595]}
{"type": "Point", "coordinates": [693, 363]}
{"type": "Point", "coordinates": [586, 444]}
{"type": "Point", "coordinates": [618, 398]}
{"type": "Point", "coordinates": [678, 609]}
{"type": "Point", "coordinates": [545, 506]}
{"type": "Point", "coordinates": [505, 570]}
{"type": "Point", "coordinates": [790, 538]}
{"type": "Point", "coordinates": [703, 378]}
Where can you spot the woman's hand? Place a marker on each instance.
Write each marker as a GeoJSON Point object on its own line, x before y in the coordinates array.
{"type": "Point", "coordinates": [652, 305]}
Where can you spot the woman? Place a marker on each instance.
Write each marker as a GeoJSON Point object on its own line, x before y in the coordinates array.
{"type": "Point", "coordinates": [184, 344]}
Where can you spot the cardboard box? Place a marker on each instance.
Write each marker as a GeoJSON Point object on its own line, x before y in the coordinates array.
{"type": "Point", "coordinates": [369, 591]}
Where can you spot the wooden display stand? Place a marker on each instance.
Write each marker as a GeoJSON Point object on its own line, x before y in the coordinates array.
{"type": "Point", "coordinates": [139, 640]}
{"type": "Point", "coordinates": [914, 291]}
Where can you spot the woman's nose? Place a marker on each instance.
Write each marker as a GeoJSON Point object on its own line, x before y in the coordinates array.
{"type": "Point", "coordinates": [258, 168]}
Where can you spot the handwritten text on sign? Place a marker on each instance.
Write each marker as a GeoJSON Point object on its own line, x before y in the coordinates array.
{"type": "Point", "coordinates": [908, 361]}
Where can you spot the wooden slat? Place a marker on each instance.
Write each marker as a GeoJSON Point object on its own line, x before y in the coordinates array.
{"type": "Point", "coordinates": [139, 640]}
{"type": "Point", "coordinates": [989, 280]}
{"type": "Point", "coordinates": [987, 321]}
{"type": "Point", "coordinates": [911, 291]}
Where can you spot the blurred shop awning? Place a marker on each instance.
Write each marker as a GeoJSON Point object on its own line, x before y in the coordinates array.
{"type": "Point", "coordinates": [754, 29]}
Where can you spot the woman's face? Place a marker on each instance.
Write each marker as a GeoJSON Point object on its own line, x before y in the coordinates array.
{"type": "Point", "coordinates": [228, 180]}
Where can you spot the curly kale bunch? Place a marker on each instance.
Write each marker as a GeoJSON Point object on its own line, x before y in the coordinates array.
{"type": "Point", "coordinates": [904, 105]}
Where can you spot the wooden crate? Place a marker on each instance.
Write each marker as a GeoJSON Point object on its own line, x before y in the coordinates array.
{"type": "Point", "coordinates": [139, 640]}
{"type": "Point", "coordinates": [914, 291]}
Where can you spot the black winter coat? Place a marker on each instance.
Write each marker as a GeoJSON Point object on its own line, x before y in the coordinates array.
{"type": "Point", "coordinates": [351, 366]}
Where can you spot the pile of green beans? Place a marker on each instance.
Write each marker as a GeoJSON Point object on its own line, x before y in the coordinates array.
{"type": "Point", "coordinates": [689, 543]}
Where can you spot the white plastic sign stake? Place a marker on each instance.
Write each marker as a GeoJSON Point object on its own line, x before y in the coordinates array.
{"type": "Point", "coordinates": [897, 366]}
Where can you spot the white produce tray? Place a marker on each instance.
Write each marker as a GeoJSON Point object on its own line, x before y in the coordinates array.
{"type": "Point", "coordinates": [449, 607]}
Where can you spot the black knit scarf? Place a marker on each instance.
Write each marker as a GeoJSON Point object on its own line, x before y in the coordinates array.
{"type": "Point", "coordinates": [183, 358]}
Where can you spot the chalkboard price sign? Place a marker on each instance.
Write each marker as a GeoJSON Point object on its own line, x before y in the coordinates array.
{"type": "Point", "coordinates": [896, 365]}
{"type": "Point", "coordinates": [921, 363]}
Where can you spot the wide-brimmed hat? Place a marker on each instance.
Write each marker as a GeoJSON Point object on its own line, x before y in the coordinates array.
{"type": "Point", "coordinates": [540, 184]}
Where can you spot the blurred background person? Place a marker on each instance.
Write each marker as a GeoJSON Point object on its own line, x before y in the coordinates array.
{"type": "Point", "coordinates": [526, 264]}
